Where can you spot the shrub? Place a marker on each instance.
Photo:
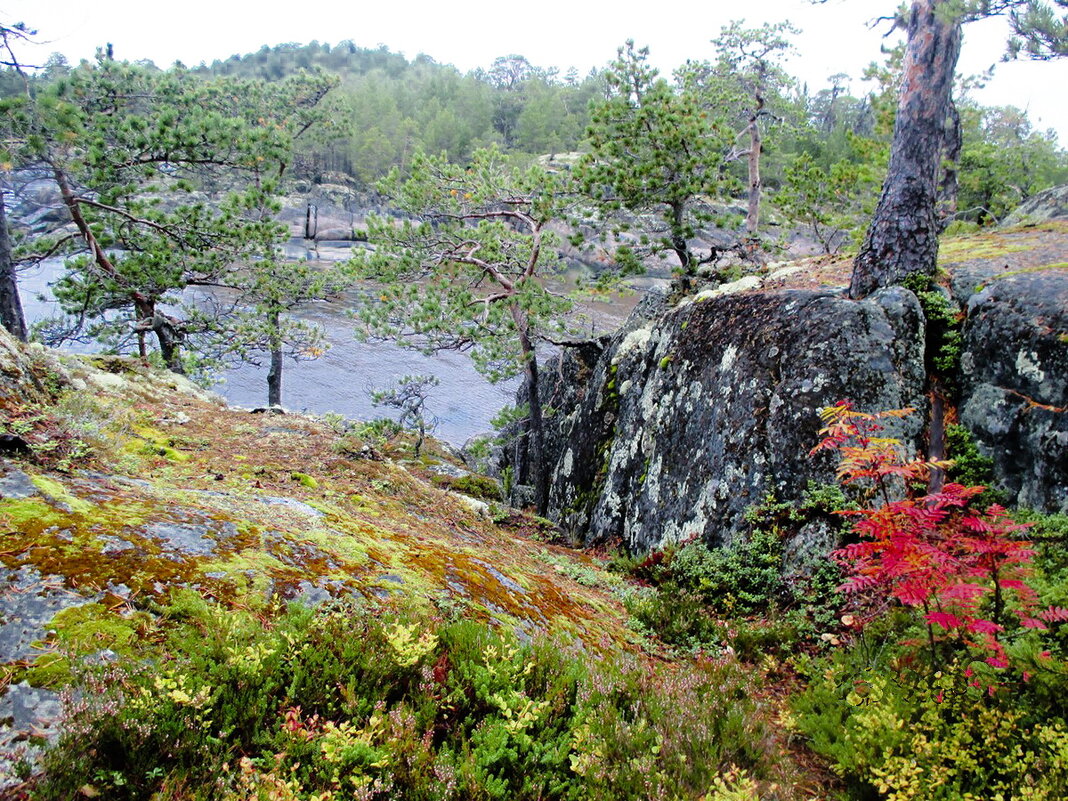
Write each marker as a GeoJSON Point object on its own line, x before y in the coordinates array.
{"type": "Point", "coordinates": [340, 703]}
{"type": "Point", "coordinates": [742, 578]}
{"type": "Point", "coordinates": [980, 719]}
{"type": "Point", "coordinates": [942, 739]}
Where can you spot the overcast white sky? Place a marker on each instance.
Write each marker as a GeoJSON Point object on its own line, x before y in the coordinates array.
{"type": "Point", "coordinates": [563, 33]}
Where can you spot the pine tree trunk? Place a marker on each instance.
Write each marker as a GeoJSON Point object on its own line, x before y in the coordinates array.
{"type": "Point", "coordinates": [539, 474]}
{"type": "Point", "coordinates": [274, 375]}
{"type": "Point", "coordinates": [11, 316]}
{"type": "Point", "coordinates": [903, 235]}
{"type": "Point", "coordinates": [949, 188]}
{"type": "Point", "coordinates": [170, 342]}
{"type": "Point", "coordinates": [687, 269]}
{"type": "Point", "coordinates": [752, 217]}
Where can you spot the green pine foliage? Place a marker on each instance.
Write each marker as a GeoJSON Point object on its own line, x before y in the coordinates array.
{"type": "Point", "coordinates": [659, 151]}
{"type": "Point", "coordinates": [170, 181]}
{"type": "Point", "coordinates": [461, 272]}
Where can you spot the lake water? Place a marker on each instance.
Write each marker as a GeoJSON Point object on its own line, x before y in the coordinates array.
{"type": "Point", "coordinates": [341, 380]}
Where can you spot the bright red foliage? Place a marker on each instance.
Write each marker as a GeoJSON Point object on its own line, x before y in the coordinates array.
{"type": "Point", "coordinates": [930, 551]}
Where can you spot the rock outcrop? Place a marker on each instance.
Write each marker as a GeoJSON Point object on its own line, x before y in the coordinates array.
{"type": "Point", "coordinates": [1049, 204]}
{"type": "Point", "coordinates": [673, 428]}
{"type": "Point", "coordinates": [1015, 388]}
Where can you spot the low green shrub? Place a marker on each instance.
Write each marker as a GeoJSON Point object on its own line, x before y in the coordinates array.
{"type": "Point", "coordinates": [675, 616]}
{"type": "Point", "coordinates": [484, 487]}
{"type": "Point", "coordinates": [897, 735]}
{"type": "Point", "coordinates": [742, 578]}
{"type": "Point", "coordinates": [344, 703]}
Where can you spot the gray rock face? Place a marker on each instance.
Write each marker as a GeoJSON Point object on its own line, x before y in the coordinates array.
{"type": "Point", "coordinates": [1015, 393]}
{"type": "Point", "coordinates": [674, 427]}
{"type": "Point", "coordinates": [1049, 204]}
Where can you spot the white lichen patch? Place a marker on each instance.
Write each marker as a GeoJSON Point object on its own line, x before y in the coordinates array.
{"type": "Point", "coordinates": [569, 463]}
{"type": "Point", "coordinates": [730, 355]}
{"type": "Point", "coordinates": [638, 339]}
{"type": "Point", "coordinates": [741, 285]}
{"type": "Point", "coordinates": [784, 272]}
{"type": "Point", "coordinates": [1028, 366]}
{"type": "Point", "coordinates": [652, 479]}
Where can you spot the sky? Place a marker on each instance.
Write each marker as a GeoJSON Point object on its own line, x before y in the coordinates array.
{"type": "Point", "coordinates": [836, 35]}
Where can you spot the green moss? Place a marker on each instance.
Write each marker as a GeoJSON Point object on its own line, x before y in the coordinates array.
{"type": "Point", "coordinates": [60, 495]}
{"type": "Point", "coordinates": [151, 441]}
{"type": "Point", "coordinates": [945, 337]}
{"type": "Point", "coordinates": [981, 246]}
{"type": "Point", "coordinates": [249, 574]}
{"type": "Point", "coordinates": [28, 515]}
{"type": "Point", "coordinates": [304, 480]}
{"type": "Point", "coordinates": [81, 631]}
{"type": "Point", "coordinates": [471, 484]}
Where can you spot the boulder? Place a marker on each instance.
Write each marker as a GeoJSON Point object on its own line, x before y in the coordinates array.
{"type": "Point", "coordinates": [671, 429]}
{"type": "Point", "coordinates": [1049, 204]}
{"type": "Point", "coordinates": [28, 374]}
{"type": "Point", "coordinates": [1015, 384]}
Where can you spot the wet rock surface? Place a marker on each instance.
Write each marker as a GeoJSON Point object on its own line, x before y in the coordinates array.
{"type": "Point", "coordinates": [1015, 393]}
{"type": "Point", "coordinates": [29, 716]}
{"type": "Point", "coordinates": [1049, 204]}
{"type": "Point", "coordinates": [674, 427]}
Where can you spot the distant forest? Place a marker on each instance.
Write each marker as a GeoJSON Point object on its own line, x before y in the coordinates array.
{"type": "Point", "coordinates": [824, 149]}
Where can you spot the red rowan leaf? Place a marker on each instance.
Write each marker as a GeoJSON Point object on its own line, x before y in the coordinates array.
{"type": "Point", "coordinates": [963, 591]}
{"type": "Point", "coordinates": [1055, 614]}
{"type": "Point", "coordinates": [943, 619]}
{"type": "Point", "coordinates": [1032, 623]}
{"type": "Point", "coordinates": [984, 626]}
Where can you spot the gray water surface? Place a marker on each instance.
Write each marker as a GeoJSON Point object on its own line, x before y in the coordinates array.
{"type": "Point", "coordinates": [341, 380]}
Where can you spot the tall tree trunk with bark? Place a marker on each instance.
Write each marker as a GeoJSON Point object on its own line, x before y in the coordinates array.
{"type": "Point", "coordinates": [11, 316]}
{"type": "Point", "coordinates": [949, 188]}
{"type": "Point", "coordinates": [539, 476]}
{"type": "Point", "coordinates": [274, 374]}
{"type": "Point", "coordinates": [903, 235]}
{"type": "Point", "coordinates": [752, 217]}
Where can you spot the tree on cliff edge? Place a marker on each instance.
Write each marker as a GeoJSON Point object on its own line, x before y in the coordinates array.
{"type": "Point", "coordinates": [169, 181]}
{"type": "Point", "coordinates": [11, 316]}
{"type": "Point", "coordinates": [468, 273]}
{"type": "Point", "coordinates": [903, 235]}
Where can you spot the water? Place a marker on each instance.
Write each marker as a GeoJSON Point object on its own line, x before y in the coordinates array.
{"type": "Point", "coordinates": [341, 380]}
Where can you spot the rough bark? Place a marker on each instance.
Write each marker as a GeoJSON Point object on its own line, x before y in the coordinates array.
{"type": "Point", "coordinates": [752, 217]}
{"type": "Point", "coordinates": [170, 336]}
{"type": "Point", "coordinates": [274, 374]}
{"type": "Point", "coordinates": [539, 474]}
{"type": "Point", "coordinates": [903, 236]}
{"type": "Point", "coordinates": [948, 189]}
{"type": "Point", "coordinates": [11, 316]}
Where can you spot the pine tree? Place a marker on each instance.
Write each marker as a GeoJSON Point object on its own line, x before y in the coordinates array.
{"type": "Point", "coordinates": [168, 180]}
{"type": "Point", "coordinates": [902, 238]}
{"type": "Point", "coordinates": [656, 152]}
{"type": "Point", "coordinates": [467, 274]}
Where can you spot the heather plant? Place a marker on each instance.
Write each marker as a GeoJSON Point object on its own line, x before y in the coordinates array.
{"type": "Point", "coordinates": [348, 702]}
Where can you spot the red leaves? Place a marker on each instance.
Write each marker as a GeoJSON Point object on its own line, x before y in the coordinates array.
{"type": "Point", "coordinates": [1055, 614]}
{"type": "Point", "coordinates": [930, 551]}
{"type": "Point", "coordinates": [983, 626]}
{"type": "Point", "coordinates": [943, 619]}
